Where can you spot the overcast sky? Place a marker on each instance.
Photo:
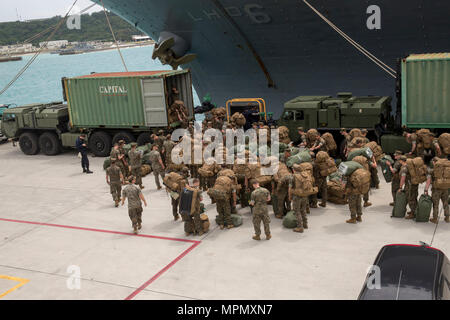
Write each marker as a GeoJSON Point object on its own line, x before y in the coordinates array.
{"type": "Point", "coordinates": [38, 9]}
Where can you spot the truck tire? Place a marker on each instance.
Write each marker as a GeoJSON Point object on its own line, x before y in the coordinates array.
{"type": "Point", "coordinates": [28, 142]}
{"type": "Point", "coordinates": [143, 138]}
{"type": "Point", "coordinates": [100, 144]}
{"type": "Point", "coordinates": [50, 144]}
{"type": "Point", "coordinates": [123, 135]}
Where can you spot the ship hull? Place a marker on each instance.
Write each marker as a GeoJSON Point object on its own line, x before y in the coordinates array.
{"type": "Point", "coordinates": [278, 50]}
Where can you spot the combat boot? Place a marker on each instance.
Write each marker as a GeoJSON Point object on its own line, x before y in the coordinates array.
{"type": "Point", "coordinates": [434, 220]}
{"type": "Point", "coordinates": [141, 186]}
{"type": "Point", "coordinates": [116, 203]}
{"type": "Point", "coordinates": [314, 205]}
{"type": "Point", "coordinates": [135, 231]}
{"type": "Point", "coordinates": [256, 237]}
{"type": "Point", "coordinates": [201, 233]}
{"type": "Point", "coordinates": [305, 225]}
{"type": "Point", "coordinates": [175, 218]}
{"type": "Point", "coordinates": [409, 216]}
{"type": "Point", "coordinates": [158, 188]}
{"type": "Point", "coordinates": [221, 226]}
{"type": "Point", "coordinates": [323, 204]}
{"type": "Point", "coordinates": [377, 186]}
{"type": "Point", "coordinates": [230, 226]}
{"type": "Point", "coordinates": [268, 236]}
{"type": "Point", "coordinates": [447, 219]}
{"type": "Point", "coordinates": [139, 226]}
{"type": "Point", "coordinates": [359, 219]}
{"type": "Point", "coordinates": [279, 216]}
{"type": "Point", "coordinates": [391, 204]}
{"type": "Point", "coordinates": [351, 220]}
{"type": "Point", "coordinates": [307, 210]}
{"type": "Point", "coordinates": [299, 230]}
{"type": "Point", "coordinates": [367, 204]}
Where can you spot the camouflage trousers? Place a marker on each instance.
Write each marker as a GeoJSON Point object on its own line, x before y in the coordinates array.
{"type": "Point", "coordinates": [258, 217]}
{"type": "Point", "coordinates": [192, 223]}
{"type": "Point", "coordinates": [158, 173]}
{"type": "Point", "coordinates": [300, 205]}
{"type": "Point", "coordinates": [438, 195]}
{"type": "Point", "coordinates": [412, 190]}
{"type": "Point", "coordinates": [284, 206]}
{"type": "Point", "coordinates": [206, 182]}
{"type": "Point", "coordinates": [395, 185]}
{"type": "Point", "coordinates": [323, 190]}
{"type": "Point", "coordinates": [193, 168]}
{"type": "Point", "coordinates": [366, 197]}
{"type": "Point", "coordinates": [355, 205]}
{"type": "Point", "coordinates": [374, 180]}
{"type": "Point", "coordinates": [224, 211]}
{"type": "Point", "coordinates": [135, 216]}
{"type": "Point", "coordinates": [116, 190]}
{"type": "Point", "coordinates": [175, 204]}
{"type": "Point", "coordinates": [136, 171]}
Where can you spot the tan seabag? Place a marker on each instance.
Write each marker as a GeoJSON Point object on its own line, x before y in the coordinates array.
{"type": "Point", "coordinates": [174, 181]}
{"type": "Point", "coordinates": [354, 133]}
{"type": "Point", "coordinates": [362, 161]}
{"type": "Point", "coordinates": [304, 184]}
{"type": "Point", "coordinates": [417, 170]}
{"type": "Point", "coordinates": [425, 137]}
{"type": "Point", "coordinates": [336, 193]}
{"type": "Point", "coordinates": [376, 149]}
{"type": "Point", "coordinates": [442, 174]}
{"type": "Point", "coordinates": [360, 180]}
{"type": "Point", "coordinates": [444, 141]}
{"type": "Point", "coordinates": [329, 140]}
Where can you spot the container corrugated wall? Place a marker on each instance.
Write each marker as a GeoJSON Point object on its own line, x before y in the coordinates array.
{"type": "Point", "coordinates": [109, 102]}
{"type": "Point", "coordinates": [425, 91]}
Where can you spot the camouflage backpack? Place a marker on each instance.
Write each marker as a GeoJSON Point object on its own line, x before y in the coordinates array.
{"type": "Point", "coordinates": [425, 137]}
{"type": "Point", "coordinates": [442, 174]}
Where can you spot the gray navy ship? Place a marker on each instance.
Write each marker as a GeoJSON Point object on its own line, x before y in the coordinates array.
{"type": "Point", "coordinates": [280, 49]}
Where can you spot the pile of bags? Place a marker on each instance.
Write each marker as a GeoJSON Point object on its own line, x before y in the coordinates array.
{"type": "Point", "coordinates": [376, 150]}
{"type": "Point", "coordinates": [301, 157]}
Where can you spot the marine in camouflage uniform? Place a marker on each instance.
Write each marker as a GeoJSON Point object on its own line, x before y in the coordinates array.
{"type": "Point", "coordinates": [282, 192]}
{"type": "Point", "coordinates": [192, 222]}
{"type": "Point", "coordinates": [168, 146]}
{"type": "Point", "coordinates": [122, 158]}
{"type": "Point", "coordinates": [412, 138]}
{"type": "Point", "coordinates": [135, 158]}
{"type": "Point", "coordinates": [224, 210]}
{"type": "Point", "coordinates": [321, 184]}
{"type": "Point", "coordinates": [301, 141]}
{"type": "Point", "coordinates": [115, 155]}
{"type": "Point", "coordinates": [157, 166]}
{"type": "Point", "coordinates": [354, 202]}
{"type": "Point", "coordinates": [259, 198]}
{"type": "Point", "coordinates": [114, 178]}
{"type": "Point", "coordinates": [437, 195]}
{"type": "Point", "coordinates": [395, 169]}
{"type": "Point", "coordinates": [319, 145]}
{"type": "Point", "coordinates": [412, 190]}
{"type": "Point", "coordinates": [134, 196]}
{"type": "Point", "coordinates": [300, 206]}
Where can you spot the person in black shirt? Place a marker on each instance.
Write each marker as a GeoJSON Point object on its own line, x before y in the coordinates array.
{"type": "Point", "coordinates": [82, 148]}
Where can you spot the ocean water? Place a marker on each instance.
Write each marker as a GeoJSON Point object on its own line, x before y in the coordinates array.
{"type": "Point", "coordinates": [41, 83]}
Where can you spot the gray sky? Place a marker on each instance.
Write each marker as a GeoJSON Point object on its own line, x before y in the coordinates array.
{"type": "Point", "coordinates": [38, 9]}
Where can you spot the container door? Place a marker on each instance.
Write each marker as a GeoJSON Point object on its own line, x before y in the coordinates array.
{"type": "Point", "coordinates": [154, 102]}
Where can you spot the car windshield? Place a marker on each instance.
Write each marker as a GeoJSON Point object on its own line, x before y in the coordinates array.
{"type": "Point", "coordinates": [407, 273]}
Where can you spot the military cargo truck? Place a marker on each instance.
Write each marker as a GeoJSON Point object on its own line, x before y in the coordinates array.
{"type": "Point", "coordinates": [423, 101]}
{"type": "Point", "coordinates": [107, 107]}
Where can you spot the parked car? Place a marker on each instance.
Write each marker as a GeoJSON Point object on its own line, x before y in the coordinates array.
{"type": "Point", "coordinates": [408, 272]}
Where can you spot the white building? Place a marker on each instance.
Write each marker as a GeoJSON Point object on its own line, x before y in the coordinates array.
{"type": "Point", "coordinates": [138, 38]}
{"type": "Point", "coordinates": [52, 45]}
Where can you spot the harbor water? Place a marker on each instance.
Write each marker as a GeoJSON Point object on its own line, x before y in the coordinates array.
{"type": "Point", "coordinates": [41, 83]}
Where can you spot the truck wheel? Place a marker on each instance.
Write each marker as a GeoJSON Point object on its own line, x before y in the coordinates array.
{"type": "Point", "coordinates": [143, 138]}
{"type": "Point", "coordinates": [100, 144]}
{"type": "Point", "coordinates": [123, 135]}
{"type": "Point", "coordinates": [28, 142]}
{"type": "Point", "coordinates": [49, 144]}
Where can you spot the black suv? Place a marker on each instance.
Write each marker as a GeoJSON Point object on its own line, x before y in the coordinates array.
{"type": "Point", "coordinates": [408, 272]}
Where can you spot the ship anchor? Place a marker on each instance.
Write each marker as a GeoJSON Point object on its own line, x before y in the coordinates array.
{"type": "Point", "coordinates": [164, 52]}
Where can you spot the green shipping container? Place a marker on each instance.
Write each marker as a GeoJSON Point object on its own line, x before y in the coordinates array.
{"type": "Point", "coordinates": [136, 100]}
{"type": "Point", "coordinates": [425, 89]}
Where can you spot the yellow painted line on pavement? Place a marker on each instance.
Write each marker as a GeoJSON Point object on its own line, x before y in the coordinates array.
{"type": "Point", "coordinates": [20, 280]}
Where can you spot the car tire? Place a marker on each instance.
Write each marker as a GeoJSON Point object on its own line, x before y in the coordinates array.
{"type": "Point", "coordinates": [100, 144]}
{"type": "Point", "coordinates": [29, 144]}
{"type": "Point", "coordinates": [50, 144]}
{"type": "Point", "coordinates": [123, 135]}
{"type": "Point", "coordinates": [143, 139]}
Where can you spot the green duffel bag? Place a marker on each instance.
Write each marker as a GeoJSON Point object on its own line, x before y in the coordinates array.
{"type": "Point", "coordinates": [423, 209]}
{"type": "Point", "coordinates": [106, 163]}
{"type": "Point", "coordinates": [385, 168]}
{"type": "Point", "coordinates": [236, 219]}
{"type": "Point", "coordinates": [348, 167]}
{"type": "Point", "coordinates": [290, 220]}
{"type": "Point", "coordinates": [301, 157]}
{"type": "Point", "coordinates": [146, 148]}
{"type": "Point", "coordinates": [294, 151]}
{"type": "Point", "coordinates": [401, 200]}
{"type": "Point", "coordinates": [365, 152]}
{"type": "Point", "coordinates": [336, 176]}
{"type": "Point", "coordinates": [282, 147]}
